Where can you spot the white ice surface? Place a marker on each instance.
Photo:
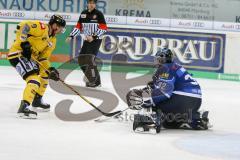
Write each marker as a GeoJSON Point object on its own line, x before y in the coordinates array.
{"type": "Point", "coordinates": [49, 138]}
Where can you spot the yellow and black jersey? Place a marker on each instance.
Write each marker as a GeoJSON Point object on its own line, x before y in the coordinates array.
{"type": "Point", "coordinates": [36, 33]}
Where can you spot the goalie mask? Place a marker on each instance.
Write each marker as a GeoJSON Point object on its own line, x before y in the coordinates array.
{"type": "Point", "coordinates": [164, 55]}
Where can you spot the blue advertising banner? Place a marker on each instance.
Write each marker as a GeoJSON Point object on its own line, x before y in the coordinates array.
{"type": "Point", "coordinates": [69, 6]}
{"type": "Point", "coordinates": [196, 51]}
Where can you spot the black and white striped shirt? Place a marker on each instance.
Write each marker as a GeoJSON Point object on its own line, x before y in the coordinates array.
{"type": "Point", "coordinates": [90, 24]}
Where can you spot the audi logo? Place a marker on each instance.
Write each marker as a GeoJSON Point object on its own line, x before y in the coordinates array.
{"type": "Point", "coordinates": [111, 19]}
{"type": "Point", "coordinates": [66, 17]}
{"type": "Point", "coordinates": [18, 14]}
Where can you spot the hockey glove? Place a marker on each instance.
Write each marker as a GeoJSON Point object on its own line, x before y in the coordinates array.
{"type": "Point", "coordinates": [138, 99]}
{"type": "Point", "coordinates": [95, 37]}
{"type": "Point", "coordinates": [147, 97]}
{"type": "Point", "coordinates": [53, 74]}
{"type": "Point", "coordinates": [150, 85]}
{"type": "Point", "coordinates": [26, 47]}
{"type": "Point", "coordinates": [134, 99]}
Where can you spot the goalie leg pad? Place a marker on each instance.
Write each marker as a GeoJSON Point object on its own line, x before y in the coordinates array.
{"type": "Point", "coordinates": [147, 121]}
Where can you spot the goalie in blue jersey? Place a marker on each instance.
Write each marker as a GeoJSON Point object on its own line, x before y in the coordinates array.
{"type": "Point", "coordinates": [171, 100]}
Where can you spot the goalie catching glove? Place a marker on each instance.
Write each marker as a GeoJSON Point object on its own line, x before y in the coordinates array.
{"type": "Point", "coordinates": [139, 98]}
{"type": "Point", "coordinates": [53, 74]}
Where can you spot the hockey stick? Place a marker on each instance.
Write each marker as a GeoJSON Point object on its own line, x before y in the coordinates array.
{"type": "Point", "coordinates": [104, 119]}
{"type": "Point", "coordinates": [81, 96]}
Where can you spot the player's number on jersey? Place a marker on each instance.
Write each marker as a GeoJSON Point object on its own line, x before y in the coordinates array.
{"type": "Point", "coordinates": [189, 77]}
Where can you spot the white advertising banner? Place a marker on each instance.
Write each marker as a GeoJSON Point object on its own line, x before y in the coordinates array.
{"type": "Point", "coordinates": [14, 14]}
{"type": "Point", "coordinates": [178, 23]}
{"type": "Point", "coordinates": [226, 26]}
{"type": "Point", "coordinates": [69, 17]}
{"type": "Point", "coordinates": [122, 20]}
{"type": "Point", "coordinates": [115, 19]}
{"type": "Point", "coordinates": [158, 22]}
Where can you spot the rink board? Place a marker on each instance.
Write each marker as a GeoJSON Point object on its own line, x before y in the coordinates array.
{"type": "Point", "coordinates": [141, 70]}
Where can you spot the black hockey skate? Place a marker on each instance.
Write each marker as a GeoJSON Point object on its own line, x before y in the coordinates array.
{"type": "Point", "coordinates": [92, 85]}
{"type": "Point", "coordinates": [38, 104]}
{"type": "Point", "coordinates": [95, 84]}
{"type": "Point", "coordinates": [201, 123]}
{"type": "Point", "coordinates": [25, 112]}
{"type": "Point", "coordinates": [147, 123]}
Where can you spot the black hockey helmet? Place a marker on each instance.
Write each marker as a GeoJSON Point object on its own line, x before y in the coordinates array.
{"type": "Point", "coordinates": [95, 1]}
{"type": "Point", "coordinates": [58, 20]}
{"type": "Point", "coordinates": [164, 55]}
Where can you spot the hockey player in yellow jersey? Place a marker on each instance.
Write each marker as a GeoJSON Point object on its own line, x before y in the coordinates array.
{"type": "Point", "coordinates": [35, 40]}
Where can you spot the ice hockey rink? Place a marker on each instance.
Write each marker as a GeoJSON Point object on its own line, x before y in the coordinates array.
{"type": "Point", "coordinates": [51, 138]}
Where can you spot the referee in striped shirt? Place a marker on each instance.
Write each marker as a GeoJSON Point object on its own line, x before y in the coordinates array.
{"type": "Point", "coordinates": [93, 25]}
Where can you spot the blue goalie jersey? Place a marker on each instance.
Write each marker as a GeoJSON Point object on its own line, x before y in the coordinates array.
{"type": "Point", "coordinates": [172, 78]}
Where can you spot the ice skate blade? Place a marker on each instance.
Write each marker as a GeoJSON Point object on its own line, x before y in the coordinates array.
{"type": "Point", "coordinates": [23, 116]}
{"type": "Point", "coordinates": [94, 87]}
{"type": "Point", "coordinates": [102, 119]}
{"type": "Point", "coordinates": [141, 131]}
{"type": "Point", "coordinates": [40, 110]}
{"type": "Point", "coordinates": [210, 126]}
